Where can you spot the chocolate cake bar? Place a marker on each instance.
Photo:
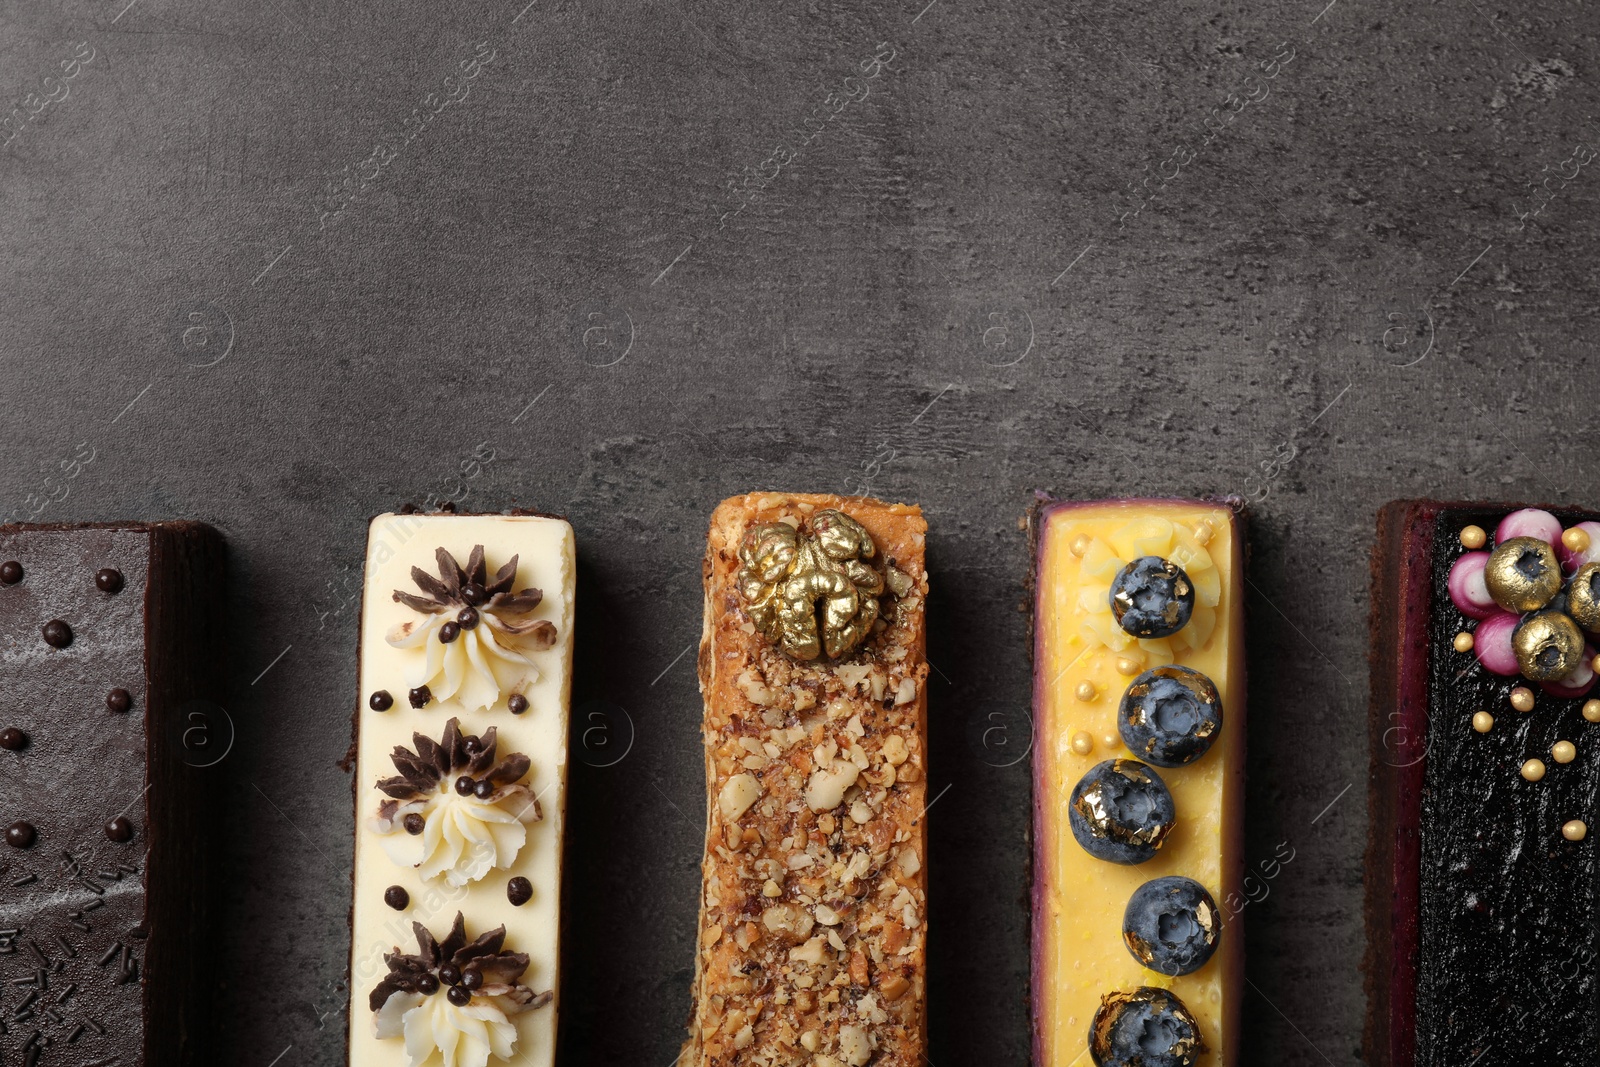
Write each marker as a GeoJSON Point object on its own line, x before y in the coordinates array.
{"type": "Point", "coordinates": [813, 910]}
{"type": "Point", "coordinates": [109, 663]}
{"type": "Point", "coordinates": [1139, 744]}
{"type": "Point", "coordinates": [1482, 891]}
{"type": "Point", "coordinates": [460, 789]}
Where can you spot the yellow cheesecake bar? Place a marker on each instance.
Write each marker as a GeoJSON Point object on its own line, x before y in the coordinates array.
{"type": "Point", "coordinates": [1139, 709]}
{"type": "Point", "coordinates": [813, 913]}
{"type": "Point", "coordinates": [460, 789]}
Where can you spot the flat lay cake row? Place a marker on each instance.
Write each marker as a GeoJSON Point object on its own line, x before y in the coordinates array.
{"type": "Point", "coordinates": [811, 944]}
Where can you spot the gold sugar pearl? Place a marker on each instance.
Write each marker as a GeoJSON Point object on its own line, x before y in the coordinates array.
{"type": "Point", "coordinates": [1576, 540]}
{"type": "Point", "coordinates": [1482, 722]}
{"type": "Point", "coordinates": [1563, 752]}
{"type": "Point", "coordinates": [1082, 743]}
{"type": "Point", "coordinates": [1576, 830]}
{"type": "Point", "coordinates": [1463, 642]}
{"type": "Point", "coordinates": [1085, 691]}
{"type": "Point", "coordinates": [1522, 698]}
{"type": "Point", "coordinates": [1595, 665]}
{"type": "Point", "coordinates": [1473, 537]}
{"type": "Point", "coordinates": [1203, 532]}
{"type": "Point", "coordinates": [1127, 665]}
{"type": "Point", "coordinates": [1110, 740]}
{"type": "Point", "coordinates": [1080, 544]}
{"type": "Point", "coordinates": [1591, 710]}
{"type": "Point", "coordinates": [1533, 770]}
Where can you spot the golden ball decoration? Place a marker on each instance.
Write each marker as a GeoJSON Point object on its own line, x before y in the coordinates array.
{"type": "Point", "coordinates": [1522, 698]}
{"type": "Point", "coordinates": [1591, 710]}
{"type": "Point", "coordinates": [1549, 646]}
{"type": "Point", "coordinates": [1482, 721]}
{"type": "Point", "coordinates": [1473, 537]}
{"type": "Point", "coordinates": [1563, 752]}
{"type": "Point", "coordinates": [1576, 830]}
{"type": "Point", "coordinates": [1082, 743]}
{"type": "Point", "coordinates": [1576, 539]}
{"type": "Point", "coordinates": [1523, 574]}
{"type": "Point", "coordinates": [1085, 691]}
{"type": "Point", "coordinates": [1463, 642]}
{"type": "Point", "coordinates": [1583, 597]}
{"type": "Point", "coordinates": [1533, 770]}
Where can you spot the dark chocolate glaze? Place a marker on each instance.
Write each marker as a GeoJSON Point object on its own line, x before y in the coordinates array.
{"type": "Point", "coordinates": [115, 932]}
{"type": "Point", "coordinates": [1482, 917]}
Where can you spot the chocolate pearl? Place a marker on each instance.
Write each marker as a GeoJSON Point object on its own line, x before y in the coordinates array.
{"type": "Point", "coordinates": [57, 634]}
{"type": "Point", "coordinates": [10, 572]}
{"type": "Point", "coordinates": [519, 891]}
{"type": "Point", "coordinates": [397, 897]}
{"type": "Point", "coordinates": [427, 985]}
{"type": "Point", "coordinates": [420, 696]}
{"type": "Point", "coordinates": [467, 618]}
{"type": "Point", "coordinates": [448, 632]}
{"type": "Point", "coordinates": [450, 974]}
{"type": "Point", "coordinates": [413, 823]}
{"type": "Point", "coordinates": [483, 790]}
{"type": "Point", "coordinates": [11, 739]}
{"type": "Point", "coordinates": [380, 701]}
{"type": "Point", "coordinates": [474, 594]}
{"type": "Point", "coordinates": [517, 703]}
{"type": "Point", "coordinates": [21, 834]}
{"type": "Point", "coordinates": [459, 997]}
{"type": "Point", "coordinates": [120, 830]}
{"type": "Point", "coordinates": [465, 785]}
{"type": "Point", "coordinates": [119, 700]}
{"type": "Point", "coordinates": [471, 978]}
{"type": "Point", "coordinates": [108, 579]}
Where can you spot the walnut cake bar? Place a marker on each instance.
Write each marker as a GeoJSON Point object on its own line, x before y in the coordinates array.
{"type": "Point", "coordinates": [812, 936]}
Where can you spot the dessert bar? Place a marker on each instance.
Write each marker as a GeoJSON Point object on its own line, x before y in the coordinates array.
{"type": "Point", "coordinates": [110, 669]}
{"type": "Point", "coordinates": [1139, 728]}
{"type": "Point", "coordinates": [1482, 892]}
{"type": "Point", "coordinates": [811, 946]}
{"type": "Point", "coordinates": [461, 743]}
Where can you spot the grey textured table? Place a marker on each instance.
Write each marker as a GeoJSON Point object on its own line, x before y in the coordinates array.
{"type": "Point", "coordinates": [281, 266]}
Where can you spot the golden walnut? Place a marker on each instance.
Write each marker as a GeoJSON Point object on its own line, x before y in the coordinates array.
{"type": "Point", "coordinates": [811, 591]}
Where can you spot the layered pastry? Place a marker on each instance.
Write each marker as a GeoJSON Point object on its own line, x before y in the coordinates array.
{"type": "Point", "coordinates": [813, 911]}
{"type": "Point", "coordinates": [110, 672]}
{"type": "Point", "coordinates": [1139, 716]}
{"type": "Point", "coordinates": [1482, 891]}
{"type": "Point", "coordinates": [461, 742]}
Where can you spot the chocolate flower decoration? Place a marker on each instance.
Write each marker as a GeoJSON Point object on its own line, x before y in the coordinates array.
{"type": "Point", "coordinates": [791, 577]}
{"type": "Point", "coordinates": [456, 808]}
{"type": "Point", "coordinates": [474, 632]}
{"type": "Point", "coordinates": [454, 997]}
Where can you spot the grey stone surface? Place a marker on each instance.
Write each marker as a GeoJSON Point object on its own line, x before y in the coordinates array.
{"type": "Point", "coordinates": [650, 255]}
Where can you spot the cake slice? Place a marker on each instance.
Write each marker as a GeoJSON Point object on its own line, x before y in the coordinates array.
{"type": "Point", "coordinates": [110, 672]}
{"type": "Point", "coordinates": [813, 911]}
{"type": "Point", "coordinates": [465, 673]}
{"type": "Point", "coordinates": [1482, 893]}
{"type": "Point", "coordinates": [1139, 727]}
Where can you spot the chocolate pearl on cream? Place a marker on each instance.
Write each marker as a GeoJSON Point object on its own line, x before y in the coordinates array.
{"type": "Point", "coordinates": [381, 700]}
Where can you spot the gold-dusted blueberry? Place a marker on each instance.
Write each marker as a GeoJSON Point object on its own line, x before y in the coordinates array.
{"type": "Point", "coordinates": [1148, 1027]}
{"type": "Point", "coordinates": [1171, 925]}
{"type": "Point", "coordinates": [1523, 574]}
{"type": "Point", "coordinates": [1170, 715]}
{"type": "Point", "coordinates": [1583, 597]}
{"type": "Point", "coordinates": [1152, 597]}
{"type": "Point", "coordinates": [1121, 811]}
{"type": "Point", "coordinates": [1549, 646]}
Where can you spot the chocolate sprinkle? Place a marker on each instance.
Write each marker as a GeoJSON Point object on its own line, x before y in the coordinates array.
{"type": "Point", "coordinates": [519, 891]}
{"type": "Point", "coordinates": [120, 830]}
{"type": "Point", "coordinates": [465, 785]}
{"type": "Point", "coordinates": [449, 632]}
{"type": "Point", "coordinates": [380, 700]}
{"type": "Point", "coordinates": [517, 703]}
{"type": "Point", "coordinates": [459, 997]}
{"type": "Point", "coordinates": [397, 897]}
{"type": "Point", "coordinates": [10, 572]}
{"type": "Point", "coordinates": [108, 580]}
{"type": "Point", "coordinates": [57, 634]}
{"type": "Point", "coordinates": [119, 700]}
{"type": "Point", "coordinates": [420, 696]}
{"type": "Point", "coordinates": [21, 835]}
{"type": "Point", "coordinates": [12, 739]}
{"type": "Point", "coordinates": [413, 823]}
